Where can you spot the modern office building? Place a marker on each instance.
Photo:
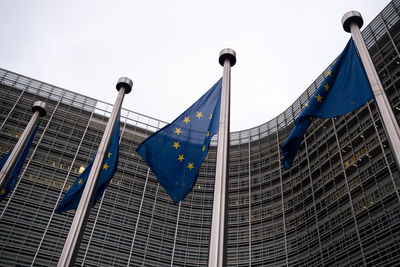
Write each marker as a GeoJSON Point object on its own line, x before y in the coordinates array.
{"type": "Point", "coordinates": [339, 204]}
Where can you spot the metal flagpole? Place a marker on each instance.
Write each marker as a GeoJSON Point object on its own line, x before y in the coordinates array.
{"type": "Point", "coordinates": [217, 255]}
{"type": "Point", "coordinates": [71, 246]}
{"type": "Point", "coordinates": [352, 22]}
{"type": "Point", "coordinates": [38, 109]}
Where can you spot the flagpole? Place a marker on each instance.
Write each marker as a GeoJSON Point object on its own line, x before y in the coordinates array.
{"type": "Point", "coordinates": [217, 255]}
{"type": "Point", "coordinates": [352, 22]}
{"type": "Point", "coordinates": [39, 110]}
{"type": "Point", "coordinates": [71, 246]}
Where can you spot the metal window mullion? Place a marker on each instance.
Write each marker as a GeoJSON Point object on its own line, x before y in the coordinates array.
{"type": "Point", "coordinates": [282, 198]}
{"type": "Point", "coordinates": [138, 218]}
{"type": "Point", "coordinates": [393, 44]}
{"type": "Point", "coordinates": [313, 196]}
{"type": "Point", "coordinates": [176, 234]}
{"type": "Point", "coordinates": [388, 32]}
{"type": "Point", "coordinates": [250, 218]}
{"type": "Point", "coordinates": [15, 104]}
{"type": "Point", "coordinates": [348, 191]}
{"type": "Point", "coordinates": [383, 150]}
{"type": "Point", "coordinates": [386, 160]}
{"type": "Point", "coordinates": [151, 222]}
{"type": "Point", "coordinates": [379, 48]}
{"type": "Point", "coordinates": [312, 192]}
{"type": "Point", "coordinates": [65, 181]}
{"type": "Point", "coordinates": [394, 8]}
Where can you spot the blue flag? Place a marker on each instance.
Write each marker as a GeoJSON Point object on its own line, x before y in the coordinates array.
{"type": "Point", "coordinates": [344, 89]}
{"type": "Point", "coordinates": [176, 152]}
{"type": "Point", "coordinates": [73, 196]}
{"type": "Point", "coordinates": [12, 180]}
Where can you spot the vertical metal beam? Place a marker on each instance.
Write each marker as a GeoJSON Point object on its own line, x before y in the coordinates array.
{"type": "Point", "coordinates": [217, 255]}
{"type": "Point", "coordinates": [65, 181]}
{"type": "Point", "coordinates": [383, 151]}
{"type": "Point", "coordinates": [38, 109]}
{"type": "Point", "coordinates": [16, 102]}
{"type": "Point", "coordinates": [150, 224]}
{"type": "Point", "coordinates": [138, 217]}
{"type": "Point", "coordinates": [353, 213]}
{"type": "Point", "coordinates": [250, 200]}
{"type": "Point", "coordinates": [71, 246]}
{"type": "Point", "coordinates": [282, 190]}
{"type": "Point", "coordinates": [352, 22]}
{"type": "Point", "coordinates": [176, 234]}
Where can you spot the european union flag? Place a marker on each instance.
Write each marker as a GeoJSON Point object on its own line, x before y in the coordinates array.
{"type": "Point", "coordinates": [12, 180]}
{"type": "Point", "coordinates": [73, 196]}
{"type": "Point", "coordinates": [344, 89]}
{"type": "Point", "coordinates": [176, 152]}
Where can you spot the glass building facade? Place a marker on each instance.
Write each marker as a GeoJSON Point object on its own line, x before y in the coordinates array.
{"type": "Point", "coordinates": [339, 204]}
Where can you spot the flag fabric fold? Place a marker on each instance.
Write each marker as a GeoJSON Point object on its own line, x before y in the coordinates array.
{"type": "Point", "coordinates": [12, 180]}
{"type": "Point", "coordinates": [73, 196]}
{"type": "Point", "coordinates": [345, 88]}
{"type": "Point", "coordinates": [176, 152]}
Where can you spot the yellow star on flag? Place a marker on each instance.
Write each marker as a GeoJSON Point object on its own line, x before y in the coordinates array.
{"type": "Point", "coordinates": [3, 191]}
{"type": "Point", "coordinates": [178, 131]}
{"type": "Point", "coordinates": [109, 154]}
{"type": "Point", "coordinates": [204, 148]}
{"type": "Point", "coordinates": [186, 120]}
{"type": "Point", "coordinates": [319, 98]}
{"type": "Point", "coordinates": [79, 181]}
{"type": "Point", "coordinates": [199, 114]}
{"type": "Point", "coordinates": [208, 134]}
{"type": "Point", "coordinates": [329, 73]}
{"type": "Point", "coordinates": [176, 145]}
{"type": "Point", "coordinates": [181, 158]}
{"type": "Point", "coordinates": [210, 116]}
{"type": "Point", "coordinates": [326, 86]}
{"type": "Point", "coordinates": [105, 166]}
{"type": "Point", "coordinates": [190, 166]}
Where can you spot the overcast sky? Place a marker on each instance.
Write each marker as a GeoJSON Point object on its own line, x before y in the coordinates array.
{"type": "Point", "coordinates": [170, 49]}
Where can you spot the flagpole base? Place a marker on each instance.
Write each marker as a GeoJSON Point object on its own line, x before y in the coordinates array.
{"type": "Point", "coordinates": [352, 17]}
{"type": "Point", "coordinates": [126, 83]}
{"type": "Point", "coordinates": [41, 107]}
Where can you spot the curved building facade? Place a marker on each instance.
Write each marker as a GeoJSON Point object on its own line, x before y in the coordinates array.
{"type": "Point", "coordinates": [339, 204]}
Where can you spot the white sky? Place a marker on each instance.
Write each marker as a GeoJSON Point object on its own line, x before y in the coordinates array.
{"type": "Point", "coordinates": [170, 49]}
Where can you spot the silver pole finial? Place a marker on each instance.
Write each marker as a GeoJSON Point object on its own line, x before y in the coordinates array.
{"type": "Point", "coordinates": [352, 17]}
{"type": "Point", "coordinates": [41, 107]}
{"type": "Point", "coordinates": [227, 53]}
{"type": "Point", "coordinates": [126, 83]}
